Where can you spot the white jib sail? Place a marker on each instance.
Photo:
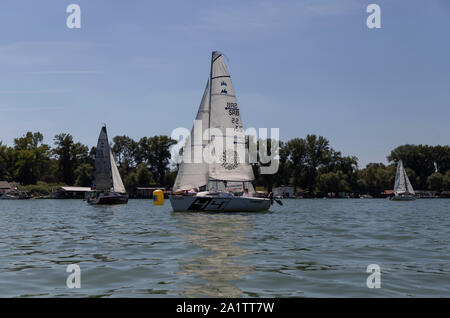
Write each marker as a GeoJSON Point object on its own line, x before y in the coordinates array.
{"type": "Point", "coordinates": [224, 113]}
{"type": "Point", "coordinates": [116, 179]}
{"type": "Point", "coordinates": [193, 172]}
{"type": "Point", "coordinates": [409, 187]}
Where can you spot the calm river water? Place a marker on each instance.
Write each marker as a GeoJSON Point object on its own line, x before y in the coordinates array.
{"type": "Point", "coordinates": [307, 248]}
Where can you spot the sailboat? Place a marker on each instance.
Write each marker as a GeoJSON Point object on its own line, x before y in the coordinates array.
{"type": "Point", "coordinates": [225, 185]}
{"type": "Point", "coordinates": [403, 190]}
{"type": "Point", "coordinates": [108, 186]}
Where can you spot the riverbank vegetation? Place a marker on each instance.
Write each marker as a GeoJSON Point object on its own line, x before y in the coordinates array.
{"type": "Point", "coordinates": [309, 164]}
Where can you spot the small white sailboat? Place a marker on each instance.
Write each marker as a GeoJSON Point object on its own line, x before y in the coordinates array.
{"type": "Point", "coordinates": [403, 190]}
{"type": "Point", "coordinates": [225, 186]}
{"type": "Point", "coordinates": [109, 188]}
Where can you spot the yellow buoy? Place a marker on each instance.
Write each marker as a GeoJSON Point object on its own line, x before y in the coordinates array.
{"type": "Point", "coordinates": [158, 197]}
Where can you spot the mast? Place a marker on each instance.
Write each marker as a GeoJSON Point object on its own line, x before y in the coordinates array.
{"type": "Point", "coordinates": [210, 90]}
{"type": "Point", "coordinates": [209, 105]}
{"type": "Point", "coordinates": [406, 183]}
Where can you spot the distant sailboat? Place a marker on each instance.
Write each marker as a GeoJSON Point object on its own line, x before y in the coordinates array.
{"type": "Point", "coordinates": [109, 188]}
{"type": "Point", "coordinates": [403, 189]}
{"type": "Point", "coordinates": [221, 180]}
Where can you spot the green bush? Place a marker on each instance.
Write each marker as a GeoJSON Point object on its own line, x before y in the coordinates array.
{"type": "Point", "coordinates": [40, 188]}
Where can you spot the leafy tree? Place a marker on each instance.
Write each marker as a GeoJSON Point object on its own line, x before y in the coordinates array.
{"type": "Point", "coordinates": [265, 147]}
{"type": "Point", "coordinates": [125, 149]}
{"type": "Point", "coordinates": [418, 158]}
{"type": "Point", "coordinates": [32, 158]}
{"type": "Point", "coordinates": [4, 162]}
{"type": "Point", "coordinates": [346, 164]}
{"type": "Point", "coordinates": [84, 175]}
{"type": "Point", "coordinates": [69, 156]}
{"type": "Point", "coordinates": [283, 175]}
{"type": "Point", "coordinates": [131, 182]}
{"type": "Point", "coordinates": [296, 149]}
{"type": "Point", "coordinates": [29, 141]}
{"type": "Point", "coordinates": [143, 175]}
{"type": "Point", "coordinates": [317, 153]}
{"type": "Point", "coordinates": [376, 178]}
{"type": "Point", "coordinates": [435, 181]}
{"type": "Point", "coordinates": [446, 181]}
{"type": "Point", "coordinates": [333, 182]}
{"type": "Point", "coordinates": [154, 151]}
{"type": "Point", "coordinates": [441, 156]}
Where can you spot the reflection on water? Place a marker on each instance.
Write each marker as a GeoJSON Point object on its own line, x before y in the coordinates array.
{"type": "Point", "coordinates": [312, 248]}
{"type": "Point", "coordinates": [222, 238]}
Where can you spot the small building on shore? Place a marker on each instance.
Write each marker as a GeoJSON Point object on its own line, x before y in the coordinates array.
{"type": "Point", "coordinates": [425, 194]}
{"type": "Point", "coordinates": [386, 194]}
{"type": "Point", "coordinates": [70, 193]}
{"type": "Point", "coordinates": [283, 191]}
{"type": "Point", "coordinates": [5, 187]}
{"type": "Point", "coordinates": [445, 194]}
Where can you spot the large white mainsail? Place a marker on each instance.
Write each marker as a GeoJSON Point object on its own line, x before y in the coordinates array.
{"type": "Point", "coordinates": [402, 183]}
{"type": "Point", "coordinates": [233, 162]}
{"type": "Point", "coordinates": [195, 174]}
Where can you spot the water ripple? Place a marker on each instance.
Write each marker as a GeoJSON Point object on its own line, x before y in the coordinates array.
{"type": "Point", "coordinates": [306, 248]}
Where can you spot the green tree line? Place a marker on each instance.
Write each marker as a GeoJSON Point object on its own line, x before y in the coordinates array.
{"type": "Point", "coordinates": [30, 161]}
{"type": "Point", "coordinates": [312, 165]}
{"type": "Point", "coordinates": [309, 164]}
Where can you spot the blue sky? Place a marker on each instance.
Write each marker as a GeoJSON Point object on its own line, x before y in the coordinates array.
{"type": "Point", "coordinates": [307, 67]}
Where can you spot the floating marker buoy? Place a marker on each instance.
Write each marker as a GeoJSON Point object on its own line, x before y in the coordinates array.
{"type": "Point", "coordinates": [158, 197]}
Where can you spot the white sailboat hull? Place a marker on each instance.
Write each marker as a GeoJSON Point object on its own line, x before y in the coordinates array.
{"type": "Point", "coordinates": [218, 204]}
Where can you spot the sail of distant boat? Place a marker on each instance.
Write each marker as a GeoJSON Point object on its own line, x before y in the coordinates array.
{"type": "Point", "coordinates": [402, 183]}
{"type": "Point", "coordinates": [107, 176]}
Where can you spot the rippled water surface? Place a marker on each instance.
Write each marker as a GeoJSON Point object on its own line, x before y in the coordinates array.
{"type": "Point", "coordinates": [307, 248]}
